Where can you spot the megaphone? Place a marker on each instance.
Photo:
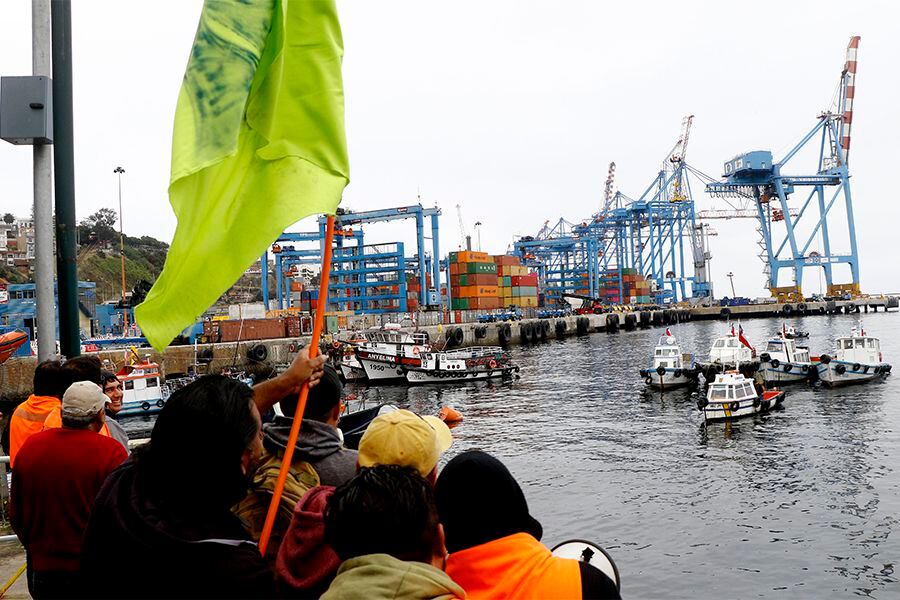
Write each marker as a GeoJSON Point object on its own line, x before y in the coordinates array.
{"type": "Point", "coordinates": [591, 553]}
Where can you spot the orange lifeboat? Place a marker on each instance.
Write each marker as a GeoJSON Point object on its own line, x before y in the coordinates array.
{"type": "Point", "coordinates": [450, 416]}
{"type": "Point", "coordinates": [10, 342]}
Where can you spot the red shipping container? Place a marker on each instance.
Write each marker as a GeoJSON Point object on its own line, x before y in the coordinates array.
{"type": "Point", "coordinates": [454, 291]}
{"type": "Point", "coordinates": [454, 268]}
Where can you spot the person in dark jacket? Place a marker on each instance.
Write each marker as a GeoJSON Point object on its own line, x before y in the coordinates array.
{"type": "Point", "coordinates": [494, 543]}
{"type": "Point", "coordinates": [320, 443]}
{"type": "Point", "coordinates": [167, 510]}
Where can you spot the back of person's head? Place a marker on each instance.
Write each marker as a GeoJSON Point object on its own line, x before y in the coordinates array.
{"type": "Point", "coordinates": [401, 437]}
{"type": "Point", "coordinates": [195, 450]}
{"type": "Point", "coordinates": [82, 405]}
{"type": "Point", "coordinates": [386, 509]}
{"type": "Point", "coordinates": [49, 379]}
{"type": "Point", "coordinates": [322, 399]}
{"type": "Point", "coordinates": [83, 368]}
{"type": "Point", "coordinates": [479, 501]}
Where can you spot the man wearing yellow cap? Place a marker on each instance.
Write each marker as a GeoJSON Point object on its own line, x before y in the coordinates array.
{"type": "Point", "coordinates": [306, 564]}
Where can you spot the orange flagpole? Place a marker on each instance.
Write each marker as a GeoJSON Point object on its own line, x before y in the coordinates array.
{"type": "Point", "coordinates": [304, 390]}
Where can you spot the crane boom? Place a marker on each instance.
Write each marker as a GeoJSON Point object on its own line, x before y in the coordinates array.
{"type": "Point", "coordinates": [466, 239]}
{"type": "Point", "coordinates": [848, 85]}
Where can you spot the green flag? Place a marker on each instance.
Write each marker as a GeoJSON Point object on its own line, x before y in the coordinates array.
{"type": "Point", "coordinates": [258, 145]}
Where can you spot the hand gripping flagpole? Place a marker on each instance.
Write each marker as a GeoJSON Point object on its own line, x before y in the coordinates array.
{"type": "Point", "coordinates": [304, 390]}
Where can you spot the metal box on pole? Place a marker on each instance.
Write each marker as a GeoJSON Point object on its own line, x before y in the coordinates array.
{"type": "Point", "coordinates": [26, 115]}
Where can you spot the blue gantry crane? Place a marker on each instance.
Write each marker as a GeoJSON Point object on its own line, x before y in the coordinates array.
{"type": "Point", "coordinates": [757, 180]}
{"type": "Point", "coordinates": [365, 278]}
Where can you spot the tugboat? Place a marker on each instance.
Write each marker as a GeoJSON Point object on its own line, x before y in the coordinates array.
{"type": "Point", "coordinates": [730, 353]}
{"type": "Point", "coordinates": [142, 391]}
{"type": "Point", "coordinates": [857, 359]}
{"type": "Point", "coordinates": [390, 351]}
{"type": "Point", "coordinates": [466, 364]}
{"type": "Point", "coordinates": [785, 362]}
{"type": "Point", "coordinates": [732, 395]}
{"type": "Point", "coordinates": [670, 368]}
{"type": "Point", "coordinates": [792, 333]}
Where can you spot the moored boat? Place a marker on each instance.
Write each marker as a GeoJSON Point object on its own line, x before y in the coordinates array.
{"type": "Point", "coordinates": [785, 362]}
{"type": "Point", "coordinates": [390, 351]}
{"type": "Point", "coordinates": [463, 364]}
{"type": "Point", "coordinates": [669, 368]}
{"type": "Point", "coordinates": [857, 359]}
{"type": "Point", "coordinates": [731, 395]}
{"type": "Point", "coordinates": [10, 342]}
{"type": "Point", "coordinates": [142, 391]}
{"type": "Point", "coordinates": [730, 353]}
{"type": "Point", "coordinates": [792, 333]}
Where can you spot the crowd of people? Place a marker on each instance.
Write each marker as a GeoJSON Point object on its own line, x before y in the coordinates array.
{"type": "Point", "coordinates": [182, 515]}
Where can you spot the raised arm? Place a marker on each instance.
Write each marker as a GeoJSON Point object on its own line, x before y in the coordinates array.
{"type": "Point", "coordinates": [267, 393]}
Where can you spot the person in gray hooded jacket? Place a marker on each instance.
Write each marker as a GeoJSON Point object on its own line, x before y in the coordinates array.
{"type": "Point", "coordinates": [320, 443]}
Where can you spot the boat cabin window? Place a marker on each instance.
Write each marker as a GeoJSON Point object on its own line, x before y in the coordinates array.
{"type": "Point", "coordinates": [848, 344]}
{"type": "Point", "coordinates": [719, 392]}
{"type": "Point", "coordinates": [774, 346]}
{"type": "Point", "coordinates": [152, 382]}
{"type": "Point", "coordinates": [732, 343]}
{"type": "Point", "coordinates": [871, 343]}
{"type": "Point", "coordinates": [719, 344]}
{"type": "Point", "coordinates": [129, 384]}
{"type": "Point", "coordinates": [860, 343]}
{"type": "Point", "coordinates": [748, 390]}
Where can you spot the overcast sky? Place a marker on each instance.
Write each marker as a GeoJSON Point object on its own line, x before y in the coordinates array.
{"type": "Point", "coordinates": [512, 110]}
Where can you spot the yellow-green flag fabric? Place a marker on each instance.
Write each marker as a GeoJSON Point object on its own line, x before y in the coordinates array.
{"type": "Point", "coordinates": [259, 144]}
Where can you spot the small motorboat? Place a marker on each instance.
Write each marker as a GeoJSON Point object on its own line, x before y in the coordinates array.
{"type": "Point", "coordinates": [10, 342]}
{"type": "Point", "coordinates": [730, 353]}
{"type": "Point", "coordinates": [857, 359]}
{"type": "Point", "coordinates": [792, 333]}
{"type": "Point", "coordinates": [670, 368]}
{"type": "Point", "coordinates": [732, 395]}
{"type": "Point", "coordinates": [785, 362]}
{"type": "Point", "coordinates": [353, 425]}
{"type": "Point", "coordinates": [463, 364]}
{"type": "Point", "coordinates": [142, 390]}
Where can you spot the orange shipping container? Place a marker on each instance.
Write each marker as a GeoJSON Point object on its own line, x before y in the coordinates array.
{"type": "Point", "coordinates": [483, 291]}
{"type": "Point", "coordinates": [467, 256]}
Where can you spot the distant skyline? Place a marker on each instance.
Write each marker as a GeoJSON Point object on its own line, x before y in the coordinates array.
{"type": "Point", "coordinates": [511, 109]}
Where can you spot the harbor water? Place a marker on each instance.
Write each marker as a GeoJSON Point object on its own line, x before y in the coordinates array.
{"type": "Point", "coordinates": [800, 502]}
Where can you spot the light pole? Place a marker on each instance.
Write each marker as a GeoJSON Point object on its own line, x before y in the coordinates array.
{"type": "Point", "coordinates": [731, 277]}
{"type": "Point", "coordinates": [120, 171]}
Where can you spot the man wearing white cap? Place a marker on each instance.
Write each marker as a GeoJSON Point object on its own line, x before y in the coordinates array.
{"type": "Point", "coordinates": [57, 476]}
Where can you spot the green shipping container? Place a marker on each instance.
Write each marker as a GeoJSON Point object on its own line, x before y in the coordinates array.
{"type": "Point", "coordinates": [459, 303]}
{"type": "Point", "coordinates": [507, 281]}
{"type": "Point", "coordinates": [463, 280]}
{"type": "Point", "coordinates": [454, 256]}
{"type": "Point", "coordinates": [481, 268]}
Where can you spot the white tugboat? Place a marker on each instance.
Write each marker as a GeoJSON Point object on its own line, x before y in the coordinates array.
{"type": "Point", "coordinates": [464, 364]}
{"type": "Point", "coordinates": [142, 391]}
{"type": "Point", "coordinates": [857, 359]}
{"type": "Point", "coordinates": [785, 362]}
{"type": "Point", "coordinates": [732, 395]}
{"type": "Point", "coordinates": [729, 353]}
{"type": "Point", "coordinates": [669, 368]}
{"type": "Point", "coordinates": [390, 351]}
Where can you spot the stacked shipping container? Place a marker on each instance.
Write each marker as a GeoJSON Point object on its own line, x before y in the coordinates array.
{"type": "Point", "coordinates": [635, 288]}
{"type": "Point", "coordinates": [473, 281]}
{"type": "Point", "coordinates": [516, 286]}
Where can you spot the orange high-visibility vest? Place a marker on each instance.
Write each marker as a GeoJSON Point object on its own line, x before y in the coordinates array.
{"type": "Point", "coordinates": [515, 567]}
{"type": "Point", "coordinates": [54, 420]}
{"type": "Point", "coordinates": [27, 420]}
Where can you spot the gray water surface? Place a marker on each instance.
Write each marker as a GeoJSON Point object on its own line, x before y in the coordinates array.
{"type": "Point", "coordinates": [799, 503]}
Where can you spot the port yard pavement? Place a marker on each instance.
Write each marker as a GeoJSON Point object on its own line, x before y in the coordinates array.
{"type": "Point", "coordinates": [12, 557]}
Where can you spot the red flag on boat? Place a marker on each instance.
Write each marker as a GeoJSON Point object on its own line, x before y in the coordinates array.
{"type": "Point", "coordinates": [668, 333]}
{"type": "Point", "coordinates": [741, 337]}
{"type": "Point", "coordinates": [732, 330]}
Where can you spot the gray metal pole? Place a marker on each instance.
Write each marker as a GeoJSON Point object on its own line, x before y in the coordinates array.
{"type": "Point", "coordinates": [64, 173]}
{"type": "Point", "coordinates": [43, 196]}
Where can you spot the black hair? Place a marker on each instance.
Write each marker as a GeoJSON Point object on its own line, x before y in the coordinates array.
{"type": "Point", "coordinates": [387, 509]}
{"type": "Point", "coordinates": [83, 368]}
{"type": "Point", "coordinates": [321, 400]}
{"type": "Point", "coordinates": [106, 377]}
{"type": "Point", "coordinates": [195, 449]}
{"type": "Point", "coordinates": [49, 379]}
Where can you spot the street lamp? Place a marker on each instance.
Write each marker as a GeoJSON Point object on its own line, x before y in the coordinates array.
{"type": "Point", "coordinates": [731, 277]}
{"type": "Point", "coordinates": [120, 171]}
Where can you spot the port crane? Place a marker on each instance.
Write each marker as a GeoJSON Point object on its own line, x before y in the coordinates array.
{"type": "Point", "coordinates": [768, 185]}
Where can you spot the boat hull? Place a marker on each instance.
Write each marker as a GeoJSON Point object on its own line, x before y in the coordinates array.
{"type": "Point", "coordinates": [713, 368]}
{"type": "Point", "coordinates": [381, 371]}
{"type": "Point", "coordinates": [144, 407]}
{"type": "Point", "coordinates": [426, 376]}
{"type": "Point", "coordinates": [831, 376]}
{"type": "Point", "coordinates": [352, 372]}
{"type": "Point", "coordinates": [670, 379]}
{"type": "Point", "coordinates": [734, 409]}
{"type": "Point", "coordinates": [786, 372]}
